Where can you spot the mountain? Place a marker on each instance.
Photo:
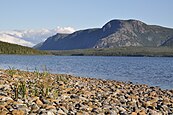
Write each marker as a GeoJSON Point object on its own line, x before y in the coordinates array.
{"type": "Point", "coordinates": [115, 33]}
{"type": "Point", "coordinates": [168, 42]}
{"type": "Point", "coordinates": [8, 48]}
{"type": "Point", "coordinates": [31, 37]}
{"type": "Point", "coordinates": [38, 45]}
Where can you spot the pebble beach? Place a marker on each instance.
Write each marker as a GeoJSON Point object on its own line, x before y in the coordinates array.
{"type": "Point", "coordinates": [42, 93]}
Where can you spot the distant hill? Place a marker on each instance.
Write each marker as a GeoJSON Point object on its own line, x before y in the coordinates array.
{"type": "Point", "coordinates": [8, 48]}
{"type": "Point", "coordinates": [116, 33]}
{"type": "Point", "coordinates": [120, 51]}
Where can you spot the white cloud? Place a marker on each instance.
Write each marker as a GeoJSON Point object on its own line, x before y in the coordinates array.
{"type": "Point", "coordinates": [64, 30]}
{"type": "Point", "coordinates": [11, 39]}
{"type": "Point", "coordinates": [32, 37]}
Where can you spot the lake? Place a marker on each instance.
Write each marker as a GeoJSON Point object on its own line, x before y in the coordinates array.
{"type": "Point", "coordinates": [154, 71]}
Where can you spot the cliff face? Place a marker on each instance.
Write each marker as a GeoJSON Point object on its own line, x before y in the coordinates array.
{"type": "Point", "coordinates": [116, 33]}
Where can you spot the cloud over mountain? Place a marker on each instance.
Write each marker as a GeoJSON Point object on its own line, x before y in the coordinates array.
{"type": "Point", "coordinates": [32, 36]}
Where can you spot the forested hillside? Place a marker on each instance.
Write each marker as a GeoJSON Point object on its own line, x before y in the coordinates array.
{"type": "Point", "coordinates": [7, 48]}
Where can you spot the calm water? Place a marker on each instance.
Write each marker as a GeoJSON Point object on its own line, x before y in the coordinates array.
{"type": "Point", "coordinates": [154, 71]}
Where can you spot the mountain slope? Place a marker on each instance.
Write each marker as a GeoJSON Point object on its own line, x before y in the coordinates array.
{"type": "Point", "coordinates": [116, 33]}
{"type": "Point", "coordinates": [168, 42]}
{"type": "Point", "coordinates": [7, 48]}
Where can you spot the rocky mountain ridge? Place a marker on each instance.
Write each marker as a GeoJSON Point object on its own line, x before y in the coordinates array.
{"type": "Point", "coordinates": [115, 33]}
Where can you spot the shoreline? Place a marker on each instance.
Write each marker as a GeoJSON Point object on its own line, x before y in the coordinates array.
{"type": "Point", "coordinates": [119, 51]}
{"type": "Point", "coordinates": [25, 92]}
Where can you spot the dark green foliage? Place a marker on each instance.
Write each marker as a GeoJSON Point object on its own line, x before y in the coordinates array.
{"type": "Point", "coordinates": [122, 51]}
{"type": "Point", "coordinates": [7, 48]}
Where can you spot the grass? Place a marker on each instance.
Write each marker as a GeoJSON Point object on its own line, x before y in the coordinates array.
{"type": "Point", "coordinates": [34, 83]}
{"type": "Point", "coordinates": [121, 51]}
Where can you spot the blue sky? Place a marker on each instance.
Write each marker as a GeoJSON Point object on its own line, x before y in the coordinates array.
{"type": "Point", "coordinates": [81, 14]}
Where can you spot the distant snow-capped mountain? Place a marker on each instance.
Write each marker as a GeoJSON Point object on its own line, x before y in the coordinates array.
{"type": "Point", "coordinates": [31, 37]}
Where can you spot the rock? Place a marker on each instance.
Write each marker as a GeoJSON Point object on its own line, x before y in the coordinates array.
{"type": "Point", "coordinates": [2, 107]}
{"type": "Point", "coordinates": [50, 113]}
{"type": "Point", "coordinates": [84, 96]}
{"type": "Point", "coordinates": [4, 87]}
{"type": "Point", "coordinates": [1, 72]}
{"type": "Point", "coordinates": [64, 109]}
{"type": "Point", "coordinates": [3, 112]}
{"type": "Point", "coordinates": [60, 83]}
{"type": "Point", "coordinates": [6, 99]}
{"type": "Point", "coordinates": [153, 112]}
{"type": "Point", "coordinates": [134, 113]}
{"type": "Point", "coordinates": [39, 102]}
{"type": "Point", "coordinates": [95, 110]}
{"type": "Point", "coordinates": [165, 108]}
{"type": "Point", "coordinates": [50, 107]}
{"type": "Point", "coordinates": [36, 114]}
{"type": "Point", "coordinates": [18, 112]}
{"type": "Point", "coordinates": [42, 111]}
{"type": "Point", "coordinates": [74, 97]}
{"type": "Point", "coordinates": [79, 113]}
{"type": "Point", "coordinates": [3, 94]}
{"type": "Point", "coordinates": [20, 101]}
{"type": "Point", "coordinates": [21, 106]}
{"type": "Point", "coordinates": [33, 99]}
{"type": "Point", "coordinates": [34, 108]}
{"type": "Point", "coordinates": [60, 111]}
{"type": "Point", "coordinates": [46, 101]}
{"type": "Point", "coordinates": [142, 113]}
{"type": "Point", "coordinates": [166, 101]}
{"type": "Point", "coordinates": [122, 109]}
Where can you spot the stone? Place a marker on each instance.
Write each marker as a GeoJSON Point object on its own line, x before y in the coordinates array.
{"type": "Point", "coordinates": [166, 101]}
{"type": "Point", "coordinates": [50, 113]}
{"type": "Point", "coordinates": [50, 107]}
{"type": "Point", "coordinates": [5, 87]}
{"type": "Point", "coordinates": [74, 97]}
{"type": "Point", "coordinates": [60, 111]}
{"type": "Point", "coordinates": [42, 111]}
{"type": "Point", "coordinates": [18, 112]}
{"type": "Point", "coordinates": [153, 112]}
{"type": "Point", "coordinates": [34, 108]}
{"type": "Point", "coordinates": [142, 113]}
{"type": "Point", "coordinates": [122, 109]}
{"type": "Point", "coordinates": [3, 112]}
{"type": "Point", "coordinates": [64, 109]}
{"type": "Point", "coordinates": [83, 96]}
{"type": "Point", "coordinates": [45, 101]}
{"type": "Point", "coordinates": [134, 113]}
{"type": "Point", "coordinates": [39, 102]}
{"type": "Point", "coordinates": [165, 108]}
{"type": "Point", "coordinates": [6, 99]}
{"type": "Point", "coordinates": [21, 106]}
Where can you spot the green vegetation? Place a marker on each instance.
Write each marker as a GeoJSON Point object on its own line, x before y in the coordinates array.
{"type": "Point", "coordinates": [122, 51]}
{"type": "Point", "coordinates": [34, 83]}
{"type": "Point", "coordinates": [7, 48]}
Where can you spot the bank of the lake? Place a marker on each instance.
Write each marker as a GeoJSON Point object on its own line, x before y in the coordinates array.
{"type": "Point", "coordinates": [153, 71]}
{"type": "Point", "coordinates": [24, 92]}
{"type": "Point", "coordinates": [119, 51]}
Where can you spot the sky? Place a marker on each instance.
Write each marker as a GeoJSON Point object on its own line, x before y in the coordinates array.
{"type": "Point", "coordinates": [81, 14]}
